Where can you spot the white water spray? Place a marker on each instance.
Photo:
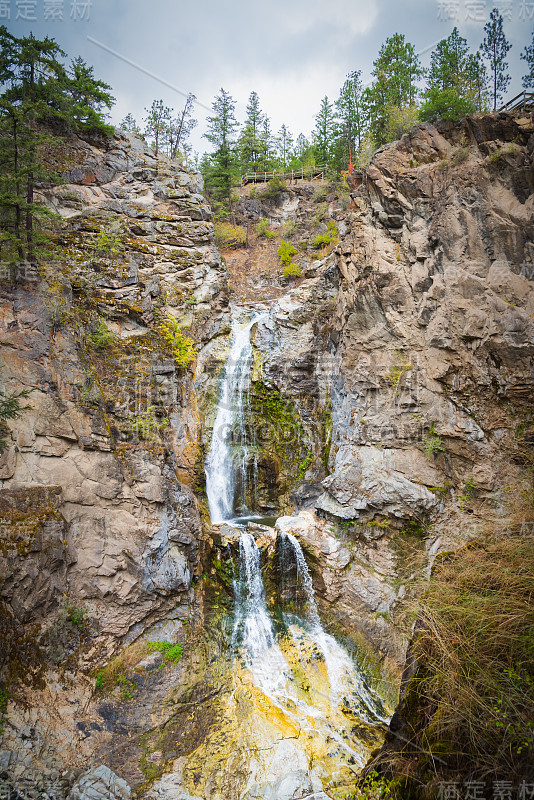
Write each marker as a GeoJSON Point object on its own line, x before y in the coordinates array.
{"type": "Point", "coordinates": [229, 450]}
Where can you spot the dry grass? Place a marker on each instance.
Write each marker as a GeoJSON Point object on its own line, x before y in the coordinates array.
{"type": "Point", "coordinates": [477, 648]}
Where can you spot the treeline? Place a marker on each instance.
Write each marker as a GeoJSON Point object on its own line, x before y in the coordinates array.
{"type": "Point", "coordinates": [363, 118]}
{"type": "Point", "coordinates": [41, 98]}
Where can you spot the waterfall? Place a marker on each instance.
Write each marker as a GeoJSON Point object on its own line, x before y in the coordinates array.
{"type": "Point", "coordinates": [229, 449]}
{"type": "Point", "coordinates": [343, 678]}
{"type": "Point", "coordinates": [253, 632]}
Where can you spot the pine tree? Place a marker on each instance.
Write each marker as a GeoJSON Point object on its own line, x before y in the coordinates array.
{"type": "Point", "coordinates": [284, 143]}
{"type": "Point", "coordinates": [129, 124]}
{"type": "Point", "coordinates": [447, 95]}
{"type": "Point", "coordinates": [267, 153]}
{"type": "Point", "coordinates": [353, 117]}
{"type": "Point", "coordinates": [495, 48]}
{"type": "Point", "coordinates": [221, 167]}
{"type": "Point", "coordinates": [396, 71]}
{"type": "Point", "coordinates": [39, 99]}
{"type": "Point", "coordinates": [250, 138]}
{"type": "Point", "coordinates": [89, 98]}
{"type": "Point", "coordinates": [528, 56]}
{"type": "Point", "coordinates": [477, 82]}
{"type": "Point", "coordinates": [323, 132]}
{"type": "Point", "coordinates": [157, 124]}
{"type": "Point", "coordinates": [179, 129]}
{"type": "Point", "coordinates": [303, 156]}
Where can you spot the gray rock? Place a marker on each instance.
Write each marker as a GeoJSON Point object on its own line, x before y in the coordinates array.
{"type": "Point", "coordinates": [100, 783]}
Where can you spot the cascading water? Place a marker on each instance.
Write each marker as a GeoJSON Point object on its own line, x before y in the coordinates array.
{"type": "Point", "coordinates": [342, 676]}
{"type": "Point", "coordinates": [292, 681]}
{"type": "Point", "coordinates": [229, 450]}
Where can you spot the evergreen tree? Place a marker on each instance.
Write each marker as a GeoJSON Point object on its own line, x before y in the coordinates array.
{"type": "Point", "coordinates": [528, 56]}
{"type": "Point", "coordinates": [89, 98]}
{"type": "Point", "coordinates": [267, 152]}
{"type": "Point", "coordinates": [250, 138]}
{"type": "Point", "coordinates": [157, 124]}
{"type": "Point", "coordinates": [179, 129]}
{"type": "Point", "coordinates": [303, 155]}
{"type": "Point", "coordinates": [352, 109]}
{"type": "Point", "coordinates": [284, 143]}
{"type": "Point", "coordinates": [39, 97]}
{"type": "Point", "coordinates": [323, 132]}
{"type": "Point", "coordinates": [396, 71]}
{"type": "Point", "coordinates": [221, 168]}
{"type": "Point", "coordinates": [353, 117]}
{"type": "Point", "coordinates": [477, 82]}
{"type": "Point", "coordinates": [447, 93]}
{"type": "Point", "coordinates": [129, 124]}
{"type": "Point", "coordinates": [495, 48]}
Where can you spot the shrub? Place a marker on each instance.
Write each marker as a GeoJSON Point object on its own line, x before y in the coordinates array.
{"type": "Point", "coordinates": [100, 337]}
{"type": "Point", "coordinates": [290, 227]}
{"type": "Point", "coordinates": [119, 671]}
{"type": "Point", "coordinates": [76, 616]}
{"type": "Point", "coordinates": [228, 236]}
{"type": "Point", "coordinates": [109, 240]}
{"type": "Point", "coordinates": [432, 444]}
{"type": "Point", "coordinates": [181, 346]}
{"type": "Point", "coordinates": [275, 187]}
{"type": "Point", "coordinates": [401, 365]}
{"type": "Point", "coordinates": [319, 194]}
{"type": "Point", "coordinates": [323, 240]}
{"type": "Point", "coordinates": [292, 271]}
{"type": "Point", "coordinates": [172, 653]}
{"type": "Point", "coordinates": [285, 251]}
{"type": "Point", "coordinates": [319, 213]}
{"type": "Point", "coordinates": [263, 229]}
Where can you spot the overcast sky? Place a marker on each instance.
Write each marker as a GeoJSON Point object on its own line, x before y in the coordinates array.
{"type": "Point", "coordinates": [292, 52]}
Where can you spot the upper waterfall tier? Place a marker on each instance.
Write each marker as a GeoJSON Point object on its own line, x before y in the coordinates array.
{"type": "Point", "coordinates": [229, 449]}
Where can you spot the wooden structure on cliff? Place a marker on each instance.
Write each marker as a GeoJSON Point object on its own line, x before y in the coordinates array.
{"type": "Point", "coordinates": [291, 175]}
{"type": "Point", "coordinates": [524, 101]}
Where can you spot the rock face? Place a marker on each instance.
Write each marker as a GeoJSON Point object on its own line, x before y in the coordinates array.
{"type": "Point", "coordinates": [393, 382]}
{"type": "Point", "coordinates": [408, 355]}
{"type": "Point", "coordinates": [100, 783]}
{"type": "Point", "coordinates": [100, 533]}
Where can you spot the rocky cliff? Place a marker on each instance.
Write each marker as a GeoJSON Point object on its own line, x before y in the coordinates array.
{"type": "Point", "coordinates": [393, 380]}
{"type": "Point", "coordinates": [101, 531]}
{"type": "Point", "coordinates": [413, 341]}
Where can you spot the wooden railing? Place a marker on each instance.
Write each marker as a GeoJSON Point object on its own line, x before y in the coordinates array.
{"type": "Point", "coordinates": [291, 175]}
{"type": "Point", "coordinates": [524, 101]}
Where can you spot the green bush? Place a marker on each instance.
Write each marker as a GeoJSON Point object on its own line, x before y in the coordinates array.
{"type": "Point", "coordinates": [100, 337]}
{"type": "Point", "coordinates": [181, 346]}
{"type": "Point", "coordinates": [76, 616]}
{"type": "Point", "coordinates": [285, 251]}
{"type": "Point", "coordinates": [323, 240]}
{"type": "Point", "coordinates": [109, 242]}
{"type": "Point", "coordinates": [292, 271]}
{"type": "Point", "coordinates": [229, 237]}
{"type": "Point", "coordinates": [172, 653]}
{"type": "Point", "coordinates": [274, 188]}
{"type": "Point", "coordinates": [263, 229]}
{"type": "Point", "coordinates": [290, 227]}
